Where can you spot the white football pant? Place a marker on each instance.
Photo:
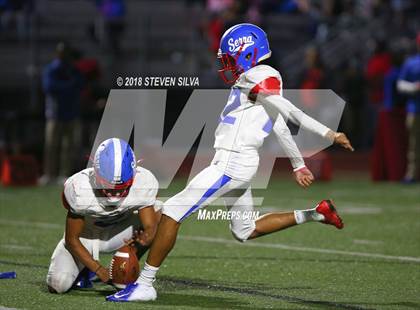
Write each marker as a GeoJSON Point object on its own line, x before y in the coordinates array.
{"type": "Point", "coordinates": [64, 268]}
{"type": "Point", "coordinates": [210, 184]}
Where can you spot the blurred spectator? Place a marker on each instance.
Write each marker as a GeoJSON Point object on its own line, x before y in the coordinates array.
{"type": "Point", "coordinates": [224, 14]}
{"type": "Point", "coordinates": [93, 100]}
{"type": "Point", "coordinates": [253, 14]}
{"type": "Point", "coordinates": [62, 84]}
{"type": "Point", "coordinates": [377, 66]}
{"type": "Point", "coordinates": [353, 90]}
{"type": "Point", "coordinates": [215, 30]}
{"type": "Point", "coordinates": [219, 6]}
{"type": "Point", "coordinates": [313, 76]}
{"type": "Point", "coordinates": [409, 83]}
{"type": "Point", "coordinates": [283, 6]}
{"type": "Point", "coordinates": [111, 28]}
{"type": "Point", "coordinates": [390, 146]}
{"type": "Point", "coordinates": [234, 14]}
{"type": "Point", "coordinates": [16, 13]}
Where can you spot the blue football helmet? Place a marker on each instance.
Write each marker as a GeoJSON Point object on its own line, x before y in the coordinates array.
{"type": "Point", "coordinates": [241, 48]}
{"type": "Point", "coordinates": [115, 168]}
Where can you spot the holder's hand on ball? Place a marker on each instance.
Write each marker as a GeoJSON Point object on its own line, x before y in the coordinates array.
{"type": "Point", "coordinates": [131, 241]}
{"type": "Point", "coordinates": [103, 274]}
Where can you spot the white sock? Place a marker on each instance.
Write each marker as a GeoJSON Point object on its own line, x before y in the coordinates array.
{"type": "Point", "coordinates": [147, 274]}
{"type": "Point", "coordinates": [309, 215]}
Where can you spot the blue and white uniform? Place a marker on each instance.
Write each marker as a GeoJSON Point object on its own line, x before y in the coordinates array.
{"type": "Point", "coordinates": [255, 108]}
{"type": "Point", "coordinates": [107, 224]}
{"type": "Point", "coordinates": [82, 200]}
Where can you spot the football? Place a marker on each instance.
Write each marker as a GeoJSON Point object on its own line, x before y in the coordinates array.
{"type": "Point", "coordinates": [124, 267]}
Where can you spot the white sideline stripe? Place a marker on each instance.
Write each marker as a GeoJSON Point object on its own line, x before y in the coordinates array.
{"type": "Point", "coordinates": [227, 241]}
{"type": "Point", "coordinates": [360, 210]}
{"type": "Point", "coordinates": [301, 249]}
{"type": "Point", "coordinates": [307, 203]}
{"type": "Point", "coordinates": [341, 210]}
{"type": "Point", "coordinates": [16, 247]}
{"type": "Point", "coordinates": [122, 254]}
{"type": "Point", "coordinates": [367, 242]}
{"type": "Point", "coordinates": [5, 308]}
{"type": "Point", "coordinates": [32, 224]}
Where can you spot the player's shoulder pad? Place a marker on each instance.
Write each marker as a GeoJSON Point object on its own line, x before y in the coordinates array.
{"type": "Point", "coordinates": [263, 80]}
{"type": "Point", "coordinates": [75, 188]}
{"type": "Point", "coordinates": [145, 178]}
{"type": "Point", "coordinates": [260, 73]}
{"type": "Point", "coordinates": [144, 189]}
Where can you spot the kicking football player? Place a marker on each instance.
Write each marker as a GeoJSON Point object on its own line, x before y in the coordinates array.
{"type": "Point", "coordinates": [106, 205]}
{"type": "Point", "coordinates": [254, 109]}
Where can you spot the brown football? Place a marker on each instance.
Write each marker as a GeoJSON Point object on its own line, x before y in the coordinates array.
{"type": "Point", "coordinates": [124, 267]}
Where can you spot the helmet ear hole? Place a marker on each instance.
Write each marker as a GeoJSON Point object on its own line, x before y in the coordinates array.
{"type": "Point", "coordinates": [248, 56]}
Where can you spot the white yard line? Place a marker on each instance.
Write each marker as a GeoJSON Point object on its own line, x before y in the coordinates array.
{"type": "Point", "coordinates": [233, 242]}
{"type": "Point", "coordinates": [359, 210]}
{"type": "Point", "coordinates": [302, 249]}
{"type": "Point", "coordinates": [16, 247]}
{"type": "Point", "coordinates": [345, 209]}
{"type": "Point", "coordinates": [367, 242]}
{"type": "Point", "coordinates": [24, 224]}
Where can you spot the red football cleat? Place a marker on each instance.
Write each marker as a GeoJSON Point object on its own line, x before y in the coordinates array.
{"type": "Point", "coordinates": [327, 209]}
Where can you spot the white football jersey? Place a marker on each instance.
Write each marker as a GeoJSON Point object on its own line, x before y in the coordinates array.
{"type": "Point", "coordinates": [79, 191]}
{"type": "Point", "coordinates": [245, 122]}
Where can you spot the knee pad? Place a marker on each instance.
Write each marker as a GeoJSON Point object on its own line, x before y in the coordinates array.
{"type": "Point", "coordinates": [60, 282]}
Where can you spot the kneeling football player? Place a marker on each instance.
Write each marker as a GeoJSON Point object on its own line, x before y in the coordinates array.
{"type": "Point", "coordinates": [106, 205]}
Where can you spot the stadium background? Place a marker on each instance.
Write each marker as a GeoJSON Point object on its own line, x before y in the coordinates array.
{"type": "Point", "coordinates": [316, 44]}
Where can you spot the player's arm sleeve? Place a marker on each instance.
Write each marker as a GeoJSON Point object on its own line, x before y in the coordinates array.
{"type": "Point", "coordinates": [149, 194]}
{"type": "Point", "coordinates": [287, 143]}
{"type": "Point", "coordinates": [280, 105]}
{"type": "Point", "coordinates": [68, 198]}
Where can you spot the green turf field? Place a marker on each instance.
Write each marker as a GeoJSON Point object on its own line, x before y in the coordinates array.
{"type": "Point", "coordinates": [374, 263]}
